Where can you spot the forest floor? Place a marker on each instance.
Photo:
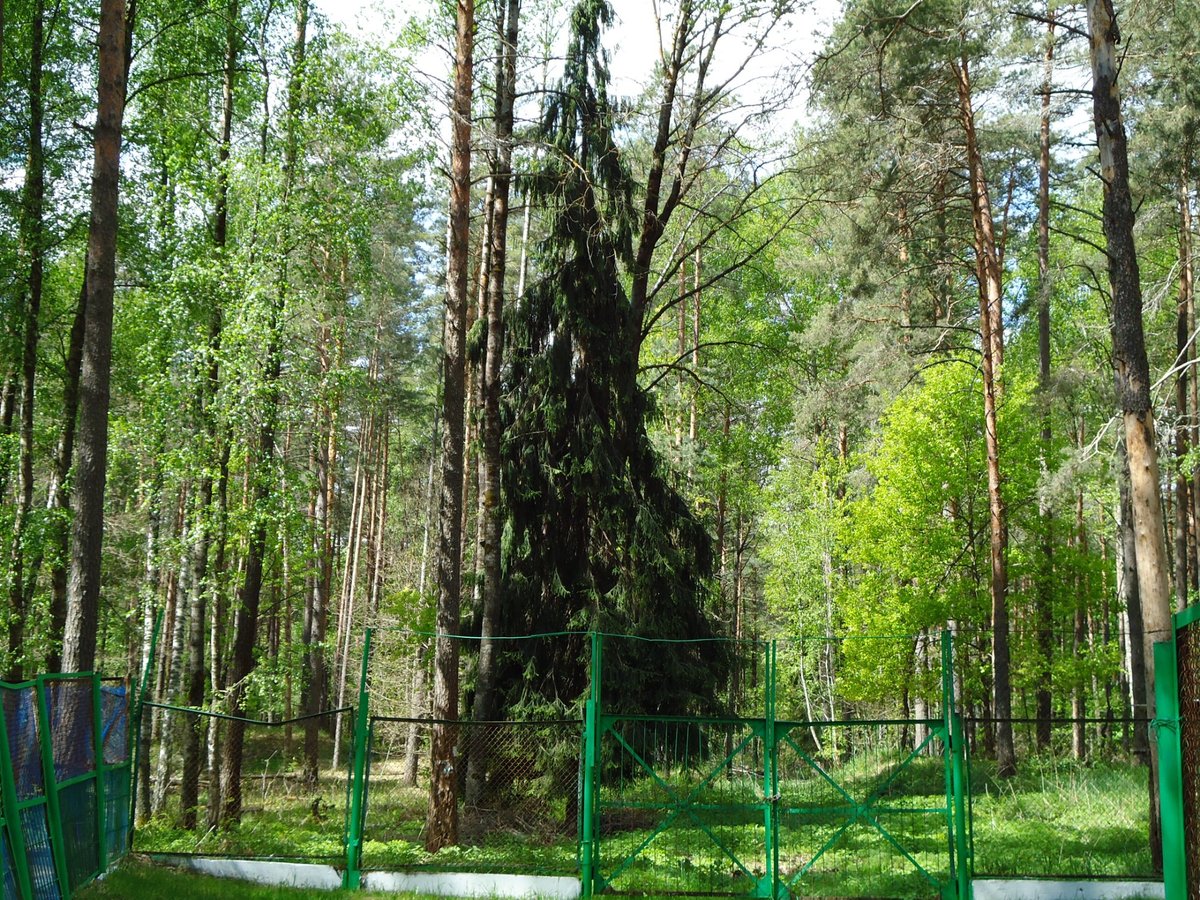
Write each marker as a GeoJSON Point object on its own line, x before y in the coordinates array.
{"type": "Point", "coordinates": [137, 879]}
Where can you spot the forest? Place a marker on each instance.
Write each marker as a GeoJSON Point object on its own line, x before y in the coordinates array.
{"type": "Point", "coordinates": [472, 322]}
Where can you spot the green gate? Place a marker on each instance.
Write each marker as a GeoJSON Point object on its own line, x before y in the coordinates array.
{"type": "Point", "coordinates": [767, 807]}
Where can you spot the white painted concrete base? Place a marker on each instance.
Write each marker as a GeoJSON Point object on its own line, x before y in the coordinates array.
{"type": "Point", "coordinates": [290, 874]}
{"type": "Point", "coordinates": [320, 877]}
{"type": "Point", "coordinates": [467, 884]}
{"type": "Point", "coordinates": [1035, 889]}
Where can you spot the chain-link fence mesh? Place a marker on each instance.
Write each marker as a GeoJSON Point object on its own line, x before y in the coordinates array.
{"type": "Point", "coordinates": [293, 786]}
{"type": "Point", "coordinates": [64, 783]}
{"type": "Point", "coordinates": [115, 752]}
{"type": "Point", "coordinates": [517, 796]}
{"type": "Point", "coordinates": [1187, 649]}
{"type": "Point", "coordinates": [1077, 808]}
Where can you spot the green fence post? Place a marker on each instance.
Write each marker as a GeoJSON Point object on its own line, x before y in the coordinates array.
{"type": "Point", "coordinates": [12, 815]}
{"type": "Point", "coordinates": [591, 744]}
{"type": "Point", "coordinates": [954, 730]}
{"type": "Point", "coordinates": [1170, 770]}
{"type": "Point", "coordinates": [98, 768]}
{"type": "Point", "coordinates": [770, 885]}
{"type": "Point", "coordinates": [50, 778]}
{"type": "Point", "coordinates": [353, 876]}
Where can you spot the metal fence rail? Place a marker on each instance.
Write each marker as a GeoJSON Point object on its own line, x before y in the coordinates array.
{"type": "Point", "coordinates": [64, 783]}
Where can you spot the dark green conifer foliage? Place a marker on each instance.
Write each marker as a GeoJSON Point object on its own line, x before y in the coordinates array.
{"type": "Point", "coordinates": [595, 535]}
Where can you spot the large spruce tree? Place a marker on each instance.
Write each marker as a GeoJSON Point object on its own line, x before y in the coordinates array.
{"type": "Point", "coordinates": [596, 536]}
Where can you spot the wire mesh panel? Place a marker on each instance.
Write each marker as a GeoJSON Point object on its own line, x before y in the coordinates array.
{"type": "Point", "coordinates": [35, 826]}
{"type": "Point", "coordinates": [1187, 648]}
{"type": "Point", "coordinates": [115, 755]}
{"type": "Point", "coordinates": [293, 801]}
{"type": "Point", "coordinates": [8, 874]}
{"type": "Point", "coordinates": [863, 809]}
{"type": "Point", "coordinates": [70, 719]}
{"type": "Point", "coordinates": [1061, 815]}
{"type": "Point", "coordinates": [681, 806]}
{"type": "Point", "coordinates": [24, 746]}
{"type": "Point", "coordinates": [517, 797]}
{"type": "Point", "coordinates": [81, 849]}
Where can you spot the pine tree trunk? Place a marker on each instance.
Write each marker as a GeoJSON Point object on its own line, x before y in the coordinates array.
{"type": "Point", "coordinates": [441, 828]}
{"type": "Point", "coordinates": [506, 85]}
{"type": "Point", "coordinates": [83, 591]}
{"type": "Point", "coordinates": [1132, 369]}
{"type": "Point", "coordinates": [1044, 602]}
{"type": "Point", "coordinates": [992, 347]}
{"type": "Point", "coordinates": [83, 594]}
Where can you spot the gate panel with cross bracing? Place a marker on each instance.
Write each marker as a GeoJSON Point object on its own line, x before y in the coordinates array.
{"type": "Point", "coordinates": [772, 807]}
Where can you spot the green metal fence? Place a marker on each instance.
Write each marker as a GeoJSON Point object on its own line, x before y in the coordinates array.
{"type": "Point", "coordinates": [64, 783]}
{"type": "Point", "coordinates": [771, 806]}
{"type": "Point", "coordinates": [1177, 698]}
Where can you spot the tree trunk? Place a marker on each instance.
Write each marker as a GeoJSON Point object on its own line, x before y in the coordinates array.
{"type": "Point", "coordinates": [203, 581]}
{"type": "Point", "coordinates": [316, 612]}
{"type": "Point", "coordinates": [1184, 350]}
{"type": "Point", "coordinates": [1079, 633]}
{"type": "Point", "coordinates": [33, 240]}
{"type": "Point", "coordinates": [83, 593]}
{"type": "Point", "coordinates": [58, 497]}
{"type": "Point", "coordinates": [245, 624]}
{"type": "Point", "coordinates": [442, 823]}
{"type": "Point", "coordinates": [992, 344]}
{"type": "Point", "coordinates": [1127, 592]}
{"type": "Point", "coordinates": [1044, 602]}
{"type": "Point", "coordinates": [1132, 369]}
{"type": "Point", "coordinates": [485, 689]}
{"type": "Point", "coordinates": [150, 591]}
{"type": "Point", "coordinates": [216, 634]}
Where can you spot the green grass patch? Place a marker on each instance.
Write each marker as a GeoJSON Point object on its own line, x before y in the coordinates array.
{"type": "Point", "coordinates": [1062, 817]}
{"type": "Point", "coordinates": [137, 879]}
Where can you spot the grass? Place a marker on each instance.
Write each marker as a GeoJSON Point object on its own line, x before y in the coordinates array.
{"type": "Point", "coordinates": [1060, 817]}
{"type": "Point", "coordinates": [136, 879]}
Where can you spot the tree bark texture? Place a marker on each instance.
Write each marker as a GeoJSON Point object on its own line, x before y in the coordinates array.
{"type": "Point", "coordinates": [83, 591]}
{"type": "Point", "coordinates": [441, 828]}
{"type": "Point", "coordinates": [1044, 603]}
{"type": "Point", "coordinates": [1131, 367]}
{"type": "Point", "coordinates": [33, 239]}
{"type": "Point", "coordinates": [992, 348]}
{"type": "Point", "coordinates": [485, 689]}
